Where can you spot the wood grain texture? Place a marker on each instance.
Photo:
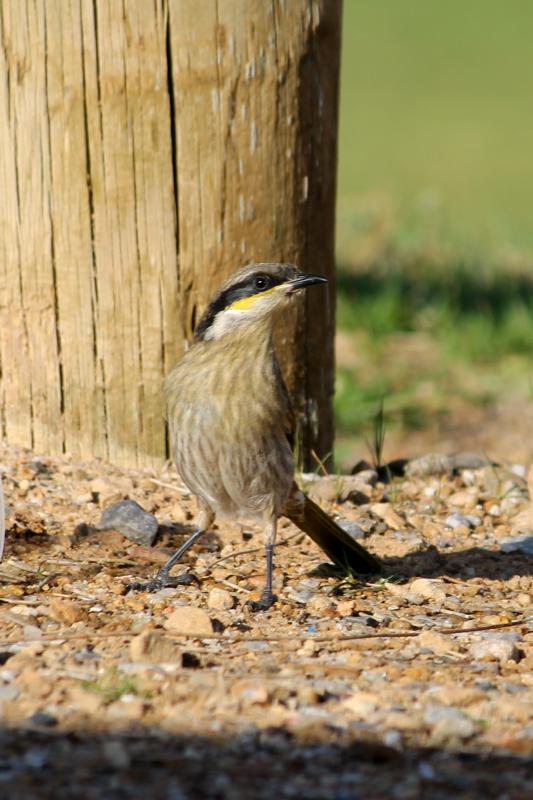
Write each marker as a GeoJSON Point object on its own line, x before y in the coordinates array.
{"type": "Point", "coordinates": [147, 150]}
{"type": "Point", "coordinates": [255, 88]}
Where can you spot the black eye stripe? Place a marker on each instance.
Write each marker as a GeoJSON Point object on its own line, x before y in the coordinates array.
{"type": "Point", "coordinates": [244, 288]}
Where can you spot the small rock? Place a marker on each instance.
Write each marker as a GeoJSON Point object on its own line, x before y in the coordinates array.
{"type": "Point", "coordinates": [403, 720]}
{"type": "Point", "coordinates": [428, 589]}
{"type": "Point", "coordinates": [523, 522]}
{"type": "Point", "coordinates": [8, 693]}
{"type": "Point", "coordinates": [518, 544]}
{"type": "Point", "coordinates": [495, 647]}
{"type": "Point", "coordinates": [87, 702]}
{"type": "Point", "coordinates": [403, 593]}
{"type": "Point", "coordinates": [250, 692]}
{"type": "Point", "coordinates": [66, 612]}
{"type": "Point", "coordinates": [386, 512]}
{"type": "Point", "coordinates": [352, 528]}
{"type": "Point", "coordinates": [361, 704]}
{"type": "Point", "coordinates": [458, 696]}
{"type": "Point", "coordinates": [111, 491]}
{"type": "Point", "coordinates": [437, 643]}
{"type": "Point", "coordinates": [220, 600]}
{"type": "Point", "coordinates": [450, 724]}
{"type": "Point", "coordinates": [456, 520]}
{"type": "Point", "coordinates": [33, 684]}
{"type": "Point", "coordinates": [32, 632]}
{"type": "Point", "coordinates": [42, 719]}
{"type": "Point", "coordinates": [337, 488]}
{"type": "Point", "coordinates": [319, 604]}
{"type": "Point", "coordinates": [346, 608]}
{"type": "Point", "coordinates": [116, 754]}
{"type": "Point", "coordinates": [393, 739]}
{"type": "Point", "coordinates": [153, 646]}
{"type": "Point", "coordinates": [129, 707]}
{"type": "Point", "coordinates": [465, 499]}
{"type": "Point", "coordinates": [308, 695]}
{"type": "Point", "coordinates": [189, 620]}
{"type": "Point", "coordinates": [524, 600]}
{"type": "Point", "coordinates": [131, 520]}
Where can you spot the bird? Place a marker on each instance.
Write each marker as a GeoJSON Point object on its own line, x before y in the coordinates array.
{"type": "Point", "coordinates": [230, 423]}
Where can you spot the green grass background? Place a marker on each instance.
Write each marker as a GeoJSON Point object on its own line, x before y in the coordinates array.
{"type": "Point", "coordinates": [434, 212]}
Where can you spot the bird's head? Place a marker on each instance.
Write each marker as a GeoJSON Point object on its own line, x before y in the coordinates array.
{"type": "Point", "coordinates": [252, 295]}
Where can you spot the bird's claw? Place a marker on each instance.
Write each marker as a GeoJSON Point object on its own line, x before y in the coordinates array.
{"type": "Point", "coordinates": [265, 602]}
{"type": "Point", "coordinates": [162, 581]}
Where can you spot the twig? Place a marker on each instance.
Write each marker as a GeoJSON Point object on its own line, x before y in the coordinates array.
{"type": "Point", "coordinates": [234, 586]}
{"type": "Point", "coordinates": [47, 579]}
{"type": "Point", "coordinates": [251, 550]}
{"type": "Point", "coordinates": [181, 489]}
{"type": "Point", "coordinates": [236, 639]}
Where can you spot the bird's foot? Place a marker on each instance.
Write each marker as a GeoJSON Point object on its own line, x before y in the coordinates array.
{"type": "Point", "coordinates": [265, 602]}
{"type": "Point", "coordinates": [162, 581]}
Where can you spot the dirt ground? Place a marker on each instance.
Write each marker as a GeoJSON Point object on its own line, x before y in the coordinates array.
{"type": "Point", "coordinates": [414, 684]}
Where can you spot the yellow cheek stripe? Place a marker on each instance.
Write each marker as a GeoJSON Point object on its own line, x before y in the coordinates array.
{"type": "Point", "coordinates": [246, 303]}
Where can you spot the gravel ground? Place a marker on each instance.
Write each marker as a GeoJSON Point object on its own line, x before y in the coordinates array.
{"type": "Point", "coordinates": [417, 684]}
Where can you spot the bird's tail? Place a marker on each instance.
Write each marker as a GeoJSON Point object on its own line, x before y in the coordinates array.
{"type": "Point", "coordinates": [333, 540]}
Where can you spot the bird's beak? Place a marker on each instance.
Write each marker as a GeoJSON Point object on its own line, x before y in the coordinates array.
{"type": "Point", "coordinates": [302, 282]}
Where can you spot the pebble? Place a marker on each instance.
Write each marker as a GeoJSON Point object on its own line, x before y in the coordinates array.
{"type": "Point", "coordinates": [495, 647]}
{"type": "Point", "coordinates": [319, 604]}
{"type": "Point", "coordinates": [109, 491]}
{"type": "Point", "coordinates": [84, 700]}
{"type": "Point", "coordinates": [129, 707]}
{"type": "Point", "coordinates": [131, 520]}
{"type": "Point", "coordinates": [42, 719]}
{"type": "Point", "coordinates": [250, 692]}
{"type": "Point", "coordinates": [386, 512]}
{"type": "Point", "coordinates": [437, 643]}
{"type": "Point", "coordinates": [448, 724]}
{"type": "Point", "coordinates": [465, 499]}
{"type": "Point", "coordinates": [66, 612]}
{"type": "Point", "coordinates": [361, 704]}
{"type": "Point", "coordinates": [457, 695]}
{"type": "Point", "coordinates": [339, 488]}
{"type": "Point", "coordinates": [220, 600]}
{"type": "Point", "coordinates": [346, 608]}
{"type": "Point", "coordinates": [153, 646]}
{"type": "Point", "coordinates": [517, 544]}
{"type": "Point", "coordinates": [116, 754]}
{"type": "Point", "coordinates": [189, 620]}
{"type": "Point", "coordinates": [428, 589]}
{"type": "Point", "coordinates": [8, 693]}
{"type": "Point", "coordinates": [32, 632]}
{"type": "Point", "coordinates": [404, 593]}
{"type": "Point", "coordinates": [352, 528]}
{"type": "Point", "coordinates": [457, 520]}
{"type": "Point", "coordinates": [524, 600]}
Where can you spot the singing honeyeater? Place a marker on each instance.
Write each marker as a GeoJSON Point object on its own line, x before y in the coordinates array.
{"type": "Point", "coordinates": [230, 422]}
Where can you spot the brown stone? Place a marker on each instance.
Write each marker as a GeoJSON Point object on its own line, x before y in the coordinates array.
{"type": "Point", "coordinates": [189, 620]}
{"type": "Point", "coordinates": [153, 646]}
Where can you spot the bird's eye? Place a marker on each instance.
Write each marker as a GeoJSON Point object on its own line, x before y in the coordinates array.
{"type": "Point", "coordinates": [261, 282]}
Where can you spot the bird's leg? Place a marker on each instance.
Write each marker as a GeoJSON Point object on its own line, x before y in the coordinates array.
{"type": "Point", "coordinates": [163, 578]}
{"type": "Point", "coordinates": [267, 598]}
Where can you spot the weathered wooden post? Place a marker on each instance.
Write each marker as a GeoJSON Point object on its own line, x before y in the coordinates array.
{"type": "Point", "coordinates": [146, 151]}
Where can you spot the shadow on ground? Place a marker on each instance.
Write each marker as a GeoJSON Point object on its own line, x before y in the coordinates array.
{"type": "Point", "coordinates": [475, 562]}
{"type": "Point", "coordinates": [259, 764]}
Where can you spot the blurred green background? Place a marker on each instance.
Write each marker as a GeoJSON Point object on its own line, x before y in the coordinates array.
{"type": "Point", "coordinates": [435, 228]}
